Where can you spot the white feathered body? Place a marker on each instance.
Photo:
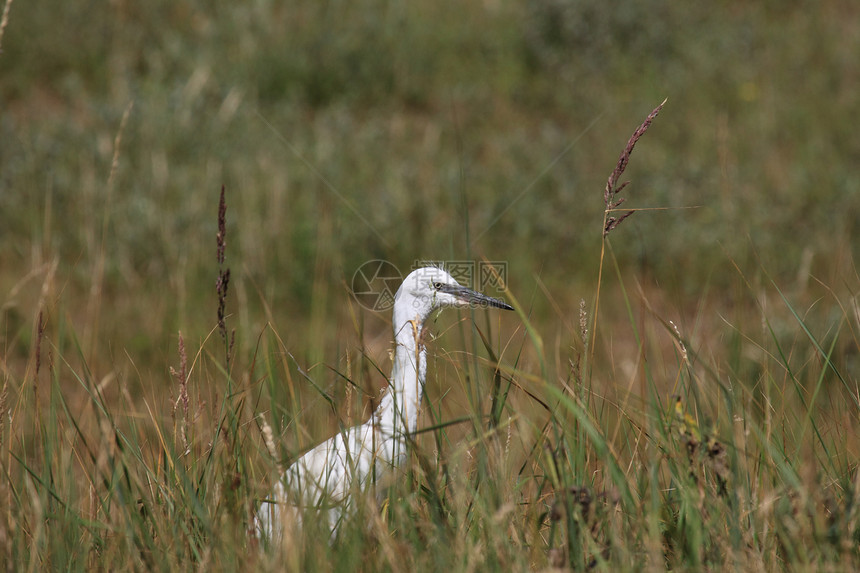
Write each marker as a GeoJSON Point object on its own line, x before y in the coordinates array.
{"type": "Point", "coordinates": [356, 459]}
{"type": "Point", "coordinates": [326, 477]}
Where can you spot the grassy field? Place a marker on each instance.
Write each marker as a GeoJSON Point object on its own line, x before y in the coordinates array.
{"type": "Point", "coordinates": [682, 393]}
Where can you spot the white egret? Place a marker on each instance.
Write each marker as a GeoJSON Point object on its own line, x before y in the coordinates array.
{"type": "Point", "coordinates": [325, 476]}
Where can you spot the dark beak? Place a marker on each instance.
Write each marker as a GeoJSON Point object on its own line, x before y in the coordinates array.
{"type": "Point", "coordinates": [473, 298]}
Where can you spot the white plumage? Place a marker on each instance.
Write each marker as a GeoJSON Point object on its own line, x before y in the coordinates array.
{"type": "Point", "coordinates": [325, 476]}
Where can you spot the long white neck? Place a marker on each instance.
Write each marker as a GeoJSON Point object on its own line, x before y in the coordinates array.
{"type": "Point", "coordinates": [397, 413]}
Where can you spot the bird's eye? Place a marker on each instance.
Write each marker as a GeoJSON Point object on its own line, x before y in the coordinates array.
{"type": "Point", "coordinates": [437, 286]}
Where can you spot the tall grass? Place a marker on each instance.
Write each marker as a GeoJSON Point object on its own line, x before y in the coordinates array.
{"type": "Point", "coordinates": [532, 454]}
{"type": "Point", "coordinates": [703, 416]}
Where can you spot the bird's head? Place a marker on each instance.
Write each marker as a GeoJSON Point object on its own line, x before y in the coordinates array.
{"type": "Point", "coordinates": [430, 288]}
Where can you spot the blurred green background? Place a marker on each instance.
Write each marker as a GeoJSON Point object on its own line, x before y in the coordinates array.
{"type": "Point", "coordinates": [349, 131]}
